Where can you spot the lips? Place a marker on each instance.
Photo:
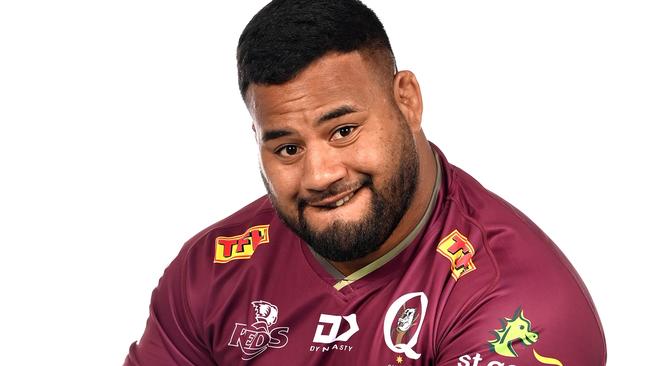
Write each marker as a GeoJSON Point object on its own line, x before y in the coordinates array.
{"type": "Point", "coordinates": [336, 200]}
{"type": "Point", "coordinates": [343, 200]}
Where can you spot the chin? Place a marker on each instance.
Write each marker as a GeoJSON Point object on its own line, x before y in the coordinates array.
{"type": "Point", "coordinates": [321, 226]}
{"type": "Point", "coordinates": [321, 222]}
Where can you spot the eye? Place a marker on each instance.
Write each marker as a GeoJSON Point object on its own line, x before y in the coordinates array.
{"type": "Point", "coordinates": [287, 150]}
{"type": "Point", "coordinates": [343, 132]}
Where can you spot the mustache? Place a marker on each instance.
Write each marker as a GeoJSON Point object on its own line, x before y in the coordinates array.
{"type": "Point", "coordinates": [333, 190]}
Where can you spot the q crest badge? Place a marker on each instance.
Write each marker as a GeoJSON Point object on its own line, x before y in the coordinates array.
{"type": "Point", "coordinates": [403, 323]}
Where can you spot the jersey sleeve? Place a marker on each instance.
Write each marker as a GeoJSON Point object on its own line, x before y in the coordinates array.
{"type": "Point", "coordinates": [536, 312]}
{"type": "Point", "coordinates": [552, 337]}
{"type": "Point", "coordinates": [171, 336]}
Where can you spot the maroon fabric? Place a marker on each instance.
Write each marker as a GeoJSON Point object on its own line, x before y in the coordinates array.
{"type": "Point", "coordinates": [516, 296]}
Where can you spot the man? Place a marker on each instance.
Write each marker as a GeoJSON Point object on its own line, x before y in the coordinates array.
{"type": "Point", "coordinates": [370, 247]}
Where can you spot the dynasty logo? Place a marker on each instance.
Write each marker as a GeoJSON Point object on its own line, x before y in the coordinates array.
{"type": "Point", "coordinates": [228, 248]}
{"type": "Point", "coordinates": [460, 252]}
{"type": "Point", "coordinates": [334, 323]}
{"type": "Point", "coordinates": [258, 337]}
{"type": "Point", "coordinates": [336, 334]}
{"type": "Point", "coordinates": [403, 322]}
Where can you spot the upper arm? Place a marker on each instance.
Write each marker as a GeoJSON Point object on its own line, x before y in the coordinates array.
{"type": "Point", "coordinates": [171, 336]}
{"type": "Point", "coordinates": [527, 321]}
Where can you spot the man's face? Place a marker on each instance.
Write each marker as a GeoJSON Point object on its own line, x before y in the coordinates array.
{"type": "Point", "coordinates": [337, 157]}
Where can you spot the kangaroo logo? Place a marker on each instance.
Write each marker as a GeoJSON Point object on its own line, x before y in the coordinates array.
{"type": "Point", "coordinates": [514, 330]}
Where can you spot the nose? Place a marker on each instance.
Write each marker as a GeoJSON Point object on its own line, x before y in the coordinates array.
{"type": "Point", "coordinates": [323, 166]}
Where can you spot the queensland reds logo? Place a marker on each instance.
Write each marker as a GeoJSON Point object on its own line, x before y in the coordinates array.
{"type": "Point", "coordinates": [258, 337]}
{"type": "Point", "coordinates": [403, 322]}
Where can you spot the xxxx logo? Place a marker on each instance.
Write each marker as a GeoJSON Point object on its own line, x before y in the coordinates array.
{"type": "Point", "coordinates": [258, 337]}
{"type": "Point", "coordinates": [459, 251]}
{"type": "Point", "coordinates": [229, 248]}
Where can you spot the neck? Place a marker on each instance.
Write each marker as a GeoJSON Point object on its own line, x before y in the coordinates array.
{"type": "Point", "coordinates": [415, 212]}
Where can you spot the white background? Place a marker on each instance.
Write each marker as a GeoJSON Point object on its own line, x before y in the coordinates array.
{"type": "Point", "coordinates": [123, 134]}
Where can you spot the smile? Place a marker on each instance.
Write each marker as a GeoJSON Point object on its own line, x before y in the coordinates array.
{"type": "Point", "coordinates": [343, 200]}
{"type": "Point", "coordinates": [335, 201]}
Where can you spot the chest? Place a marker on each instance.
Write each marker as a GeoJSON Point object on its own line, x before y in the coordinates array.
{"type": "Point", "coordinates": [392, 323]}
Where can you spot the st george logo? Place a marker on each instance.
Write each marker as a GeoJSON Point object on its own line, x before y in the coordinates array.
{"type": "Point", "coordinates": [460, 252]}
{"type": "Point", "coordinates": [258, 337]}
{"type": "Point", "coordinates": [334, 321]}
{"type": "Point", "coordinates": [516, 330]}
{"type": "Point", "coordinates": [403, 322]}
{"type": "Point", "coordinates": [229, 248]}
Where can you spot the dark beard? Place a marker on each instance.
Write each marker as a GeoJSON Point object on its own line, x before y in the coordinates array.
{"type": "Point", "coordinates": [345, 241]}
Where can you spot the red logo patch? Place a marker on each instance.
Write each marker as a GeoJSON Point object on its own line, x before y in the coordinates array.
{"type": "Point", "coordinates": [229, 248]}
{"type": "Point", "coordinates": [460, 252]}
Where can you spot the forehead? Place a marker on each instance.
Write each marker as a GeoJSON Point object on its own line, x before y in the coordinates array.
{"type": "Point", "coordinates": [331, 81]}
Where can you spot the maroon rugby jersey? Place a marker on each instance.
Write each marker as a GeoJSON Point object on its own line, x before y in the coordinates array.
{"type": "Point", "coordinates": [476, 284]}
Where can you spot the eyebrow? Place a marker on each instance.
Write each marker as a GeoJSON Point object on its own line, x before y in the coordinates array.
{"type": "Point", "coordinates": [335, 113]}
{"type": "Point", "coordinates": [274, 134]}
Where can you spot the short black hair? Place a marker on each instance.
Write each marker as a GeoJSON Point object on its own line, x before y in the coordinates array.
{"type": "Point", "coordinates": [286, 36]}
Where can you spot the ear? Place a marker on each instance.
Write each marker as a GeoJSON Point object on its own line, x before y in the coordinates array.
{"type": "Point", "coordinates": [406, 91]}
{"type": "Point", "coordinates": [257, 139]}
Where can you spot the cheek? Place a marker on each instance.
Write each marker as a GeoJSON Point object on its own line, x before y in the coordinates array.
{"type": "Point", "coordinates": [283, 180]}
{"type": "Point", "coordinates": [372, 154]}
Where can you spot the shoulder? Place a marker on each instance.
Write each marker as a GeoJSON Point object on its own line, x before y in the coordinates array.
{"type": "Point", "coordinates": [245, 240]}
{"type": "Point", "coordinates": [517, 270]}
{"type": "Point", "coordinates": [507, 235]}
{"type": "Point", "coordinates": [250, 224]}
{"type": "Point", "coordinates": [520, 250]}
